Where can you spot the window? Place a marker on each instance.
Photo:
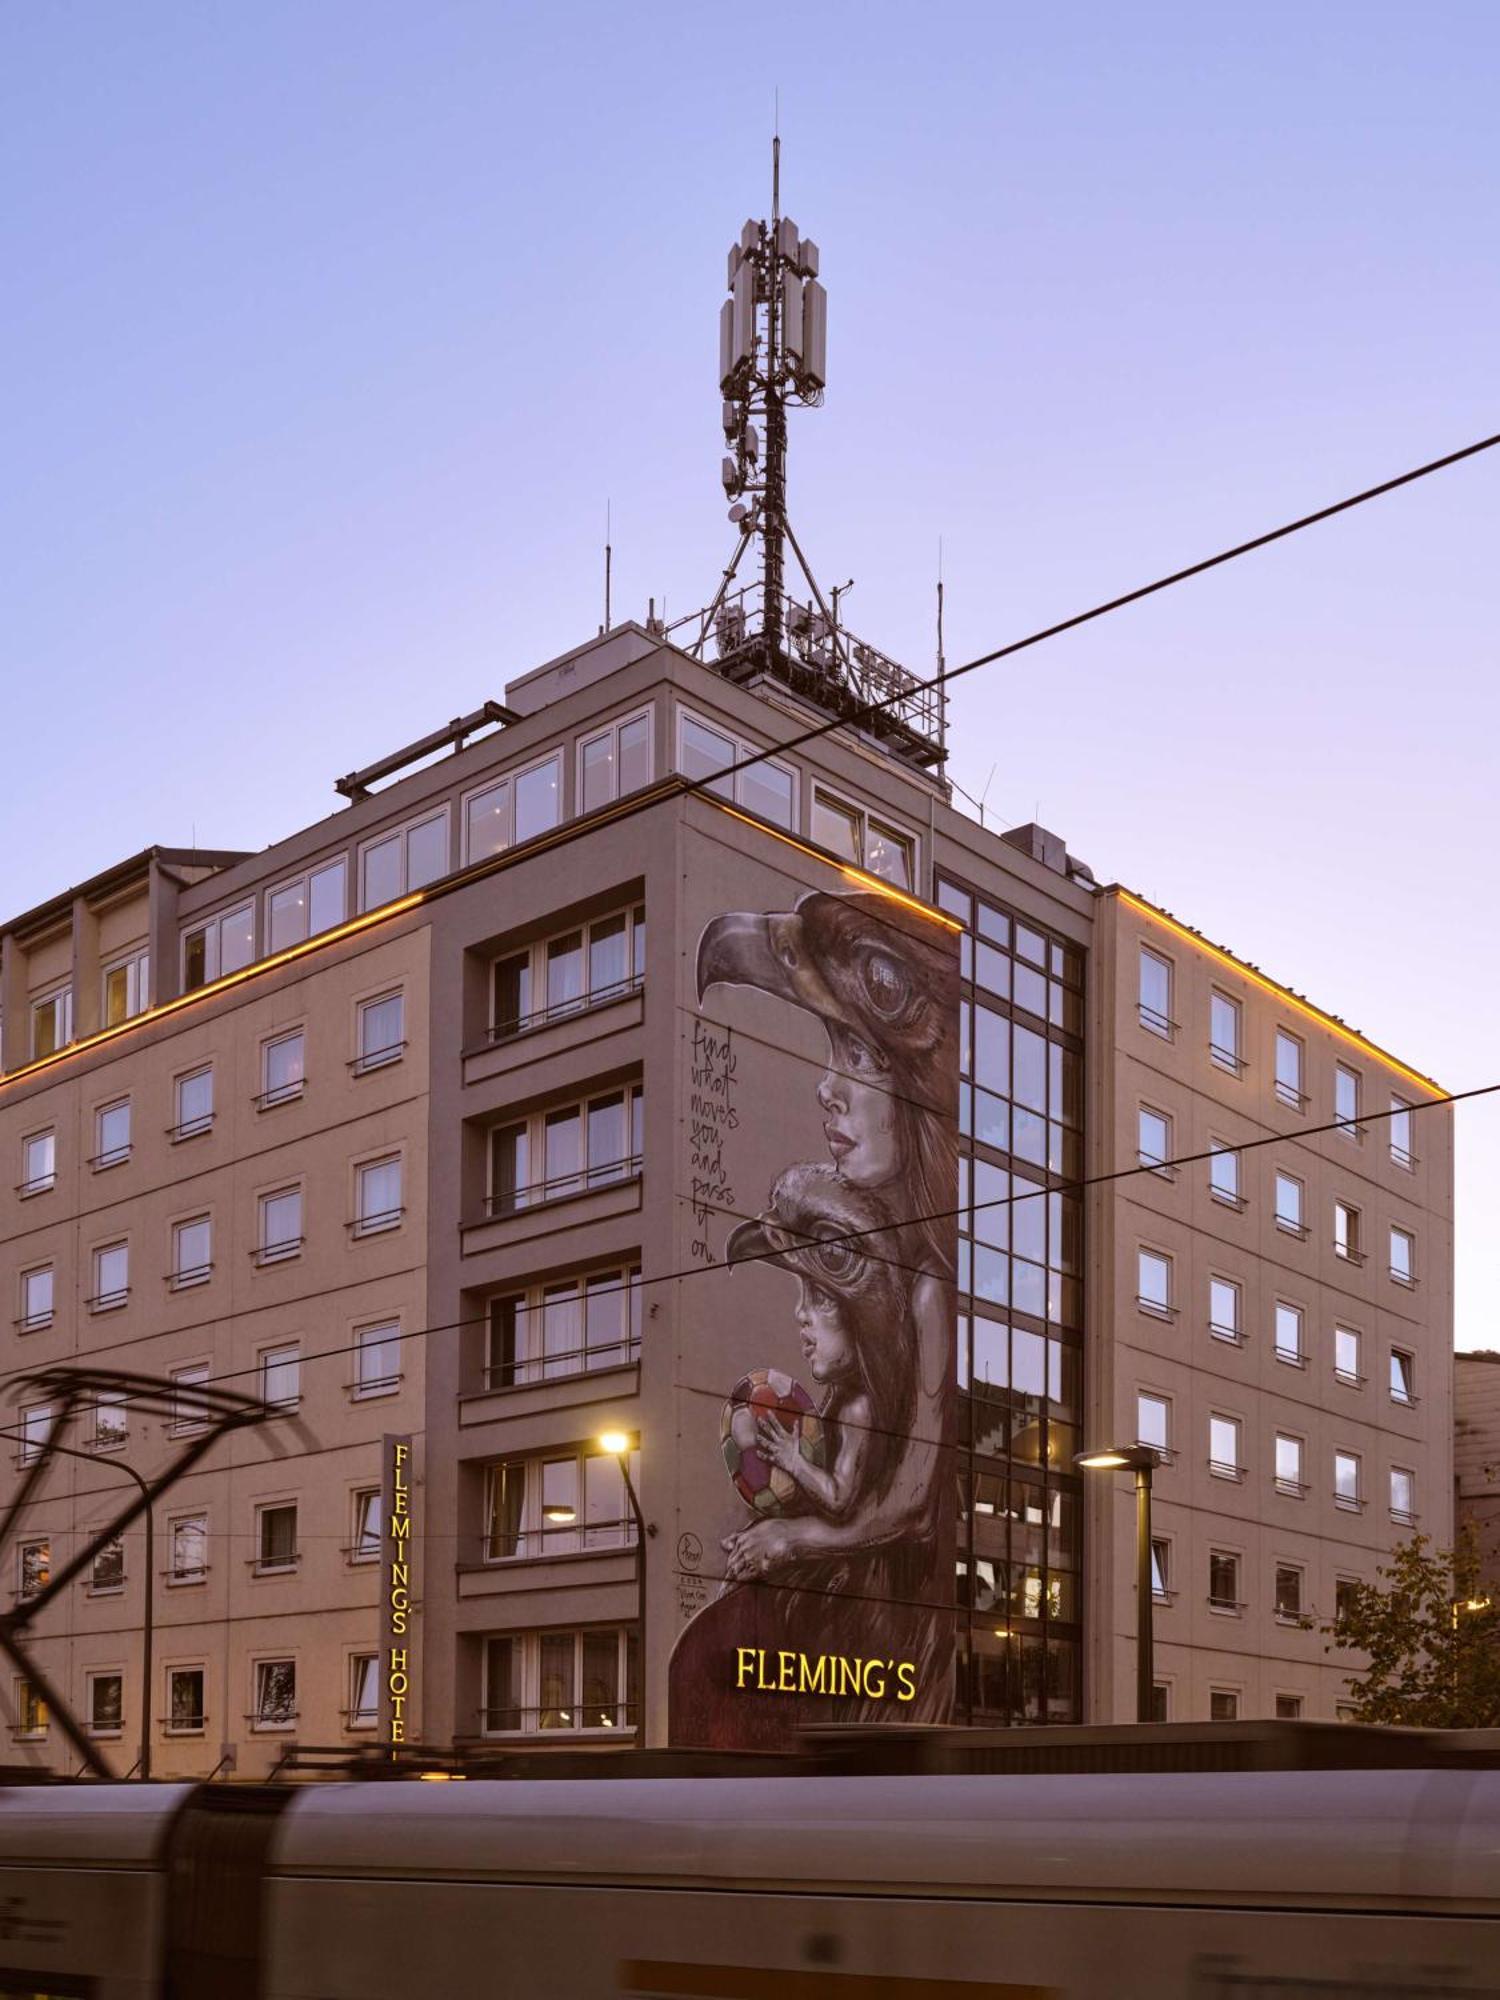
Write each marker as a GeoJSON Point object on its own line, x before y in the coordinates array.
{"type": "Point", "coordinates": [276, 1538]}
{"type": "Point", "coordinates": [557, 1506]}
{"type": "Point", "coordinates": [1224, 1173]}
{"type": "Point", "coordinates": [106, 1704]}
{"type": "Point", "coordinates": [1403, 1376]}
{"type": "Point", "coordinates": [1156, 993]}
{"type": "Point", "coordinates": [1289, 1070]}
{"type": "Point", "coordinates": [1223, 1705]}
{"type": "Point", "coordinates": [382, 1032]}
{"type": "Point", "coordinates": [185, 1716]}
{"type": "Point", "coordinates": [275, 1694]}
{"type": "Point", "coordinates": [1289, 1465]}
{"type": "Point", "coordinates": [1346, 1480]}
{"type": "Point", "coordinates": [38, 1163]}
{"type": "Point", "coordinates": [1151, 1416]}
{"type": "Point", "coordinates": [405, 859]}
{"type": "Point", "coordinates": [365, 1546]}
{"type": "Point", "coordinates": [1288, 1708]}
{"type": "Point", "coordinates": [1289, 1204]}
{"type": "Point", "coordinates": [1224, 1446]}
{"type": "Point", "coordinates": [1403, 1495]}
{"type": "Point", "coordinates": [1345, 1596]}
{"type": "Point", "coordinates": [584, 967]}
{"type": "Point", "coordinates": [1223, 1580]}
{"type": "Point", "coordinates": [364, 1691]}
{"type": "Point", "coordinates": [194, 1103]}
{"type": "Point", "coordinates": [1153, 1281]}
{"type": "Point", "coordinates": [1346, 1354]}
{"type": "Point", "coordinates": [571, 1681]}
{"type": "Point", "coordinates": [192, 1253]}
{"type": "Point", "coordinates": [36, 1299]}
{"type": "Point", "coordinates": [282, 1069]}
{"type": "Point", "coordinates": [111, 1277]}
{"type": "Point", "coordinates": [853, 835]}
{"type": "Point", "coordinates": [576, 1147]}
{"type": "Point", "coordinates": [1289, 1333]}
{"type": "Point", "coordinates": [1161, 1701]}
{"type": "Point", "coordinates": [1161, 1569]}
{"type": "Point", "coordinates": [111, 1425]}
{"type": "Point", "coordinates": [1154, 1138]}
{"type": "Point", "coordinates": [1346, 1099]}
{"type": "Point", "coordinates": [36, 1428]}
{"type": "Point", "coordinates": [51, 1023]}
{"type": "Point", "coordinates": [281, 1377]}
{"type": "Point", "coordinates": [315, 902]}
{"type": "Point", "coordinates": [614, 761]}
{"type": "Point", "coordinates": [1224, 1309]}
{"type": "Point", "coordinates": [108, 1572]}
{"type": "Point", "coordinates": [1288, 1591]}
{"type": "Point", "coordinates": [31, 1710]}
{"type": "Point", "coordinates": [513, 809]}
{"type": "Point", "coordinates": [34, 1568]}
{"type": "Point", "coordinates": [1346, 1232]}
{"type": "Point", "coordinates": [188, 1410]}
{"type": "Point", "coordinates": [768, 788]}
{"type": "Point", "coordinates": [127, 988]}
{"type": "Point", "coordinates": [1403, 1256]}
{"type": "Point", "coordinates": [377, 1196]}
{"type": "Point", "coordinates": [1224, 1032]}
{"type": "Point", "coordinates": [111, 1135]}
{"type": "Point", "coordinates": [1400, 1129]}
{"type": "Point", "coordinates": [377, 1354]}
{"type": "Point", "coordinates": [189, 1548]}
{"type": "Point", "coordinates": [280, 1226]}
{"type": "Point", "coordinates": [564, 1328]}
{"type": "Point", "coordinates": [223, 945]}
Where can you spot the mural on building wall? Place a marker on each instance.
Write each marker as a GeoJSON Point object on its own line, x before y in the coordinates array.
{"type": "Point", "coordinates": [827, 1571]}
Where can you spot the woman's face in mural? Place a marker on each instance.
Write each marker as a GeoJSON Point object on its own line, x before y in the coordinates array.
{"type": "Point", "coordinates": [859, 1113]}
{"type": "Point", "coordinates": [826, 1346]}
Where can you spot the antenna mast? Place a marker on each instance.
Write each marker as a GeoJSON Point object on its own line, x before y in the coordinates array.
{"type": "Point", "coordinates": [773, 349]}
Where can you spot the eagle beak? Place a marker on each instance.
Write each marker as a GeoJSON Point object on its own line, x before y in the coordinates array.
{"type": "Point", "coordinates": [767, 949]}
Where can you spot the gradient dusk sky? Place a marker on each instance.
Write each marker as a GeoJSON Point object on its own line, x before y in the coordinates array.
{"type": "Point", "coordinates": [330, 328]}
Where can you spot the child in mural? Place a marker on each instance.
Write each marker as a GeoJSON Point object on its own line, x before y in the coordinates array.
{"type": "Point", "coordinates": [887, 995]}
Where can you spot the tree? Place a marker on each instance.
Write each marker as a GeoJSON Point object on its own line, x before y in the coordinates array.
{"type": "Point", "coordinates": [1431, 1632]}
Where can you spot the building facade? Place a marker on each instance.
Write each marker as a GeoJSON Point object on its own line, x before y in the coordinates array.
{"type": "Point", "coordinates": [1476, 1455]}
{"type": "Point", "coordinates": [479, 1114]}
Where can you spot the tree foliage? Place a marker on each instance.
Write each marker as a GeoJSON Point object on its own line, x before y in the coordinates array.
{"type": "Point", "coordinates": [1431, 1632]}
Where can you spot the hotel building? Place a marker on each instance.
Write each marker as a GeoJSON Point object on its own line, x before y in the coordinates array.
{"type": "Point", "coordinates": [390, 1125]}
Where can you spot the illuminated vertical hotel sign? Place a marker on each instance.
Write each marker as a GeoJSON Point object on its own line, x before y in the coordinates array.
{"type": "Point", "coordinates": [395, 1667]}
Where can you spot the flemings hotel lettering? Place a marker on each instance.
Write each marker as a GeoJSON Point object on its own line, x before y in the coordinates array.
{"type": "Point", "coordinates": [395, 1670]}
{"type": "Point", "coordinates": [823, 1673]}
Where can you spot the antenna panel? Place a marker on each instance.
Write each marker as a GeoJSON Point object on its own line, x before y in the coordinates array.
{"type": "Point", "coordinates": [786, 239]}
{"type": "Point", "coordinates": [750, 237]}
{"type": "Point", "coordinates": [742, 342]}
{"type": "Point", "coordinates": [807, 262]}
{"type": "Point", "coordinates": [726, 343]}
{"type": "Point", "coordinates": [814, 333]}
{"type": "Point", "coordinates": [792, 317]}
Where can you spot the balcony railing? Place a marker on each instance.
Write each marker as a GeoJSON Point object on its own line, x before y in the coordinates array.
{"type": "Point", "coordinates": [519, 1372]}
{"type": "Point", "coordinates": [565, 1539]}
{"type": "Point", "coordinates": [571, 1719]}
{"type": "Point", "coordinates": [513, 1201]}
{"type": "Point", "coordinates": [507, 1028]}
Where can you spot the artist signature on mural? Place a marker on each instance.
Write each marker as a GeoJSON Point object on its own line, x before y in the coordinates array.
{"type": "Point", "coordinates": [712, 1116]}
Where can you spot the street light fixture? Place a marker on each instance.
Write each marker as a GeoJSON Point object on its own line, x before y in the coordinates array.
{"type": "Point", "coordinates": [618, 1445]}
{"type": "Point", "coordinates": [1142, 1460]}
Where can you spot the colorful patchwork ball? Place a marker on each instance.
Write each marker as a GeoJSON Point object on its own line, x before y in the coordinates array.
{"type": "Point", "coordinates": [767, 1392]}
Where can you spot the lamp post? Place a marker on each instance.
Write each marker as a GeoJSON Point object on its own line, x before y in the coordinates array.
{"type": "Point", "coordinates": [617, 1444]}
{"type": "Point", "coordinates": [1142, 1460]}
{"type": "Point", "coordinates": [92, 1458]}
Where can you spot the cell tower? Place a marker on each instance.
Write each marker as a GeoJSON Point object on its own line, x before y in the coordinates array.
{"type": "Point", "coordinates": [773, 355]}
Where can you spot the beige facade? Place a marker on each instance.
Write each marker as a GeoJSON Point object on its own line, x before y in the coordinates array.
{"type": "Point", "coordinates": [485, 966]}
{"type": "Point", "coordinates": [1476, 1454]}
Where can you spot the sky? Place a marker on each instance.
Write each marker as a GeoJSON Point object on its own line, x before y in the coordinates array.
{"type": "Point", "coordinates": [330, 331]}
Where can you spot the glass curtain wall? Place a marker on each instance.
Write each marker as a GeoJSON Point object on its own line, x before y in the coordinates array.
{"type": "Point", "coordinates": [1020, 1318]}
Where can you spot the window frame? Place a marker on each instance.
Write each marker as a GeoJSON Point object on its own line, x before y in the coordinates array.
{"type": "Point", "coordinates": [1165, 1403]}
{"type": "Point", "coordinates": [1288, 1225]}
{"type": "Point", "coordinates": [213, 959]}
{"type": "Point", "coordinates": [187, 1375]}
{"type": "Point", "coordinates": [1400, 1127]}
{"type": "Point", "coordinates": [371, 1338]}
{"type": "Point", "coordinates": [270, 1095]}
{"type": "Point", "coordinates": [1225, 1056]}
{"type": "Point", "coordinates": [366, 1060]}
{"type": "Point", "coordinates": [1354, 1378]}
{"type": "Point", "coordinates": [95, 1677]}
{"type": "Point", "coordinates": [283, 1250]}
{"type": "Point", "coordinates": [1231, 1606]}
{"type": "Point", "coordinates": [262, 1564]}
{"type": "Point", "coordinates": [119, 1297]}
{"type": "Point", "coordinates": [304, 880]}
{"type": "Point", "coordinates": [357, 1665]}
{"type": "Point", "coordinates": [1285, 1092]}
{"type": "Point", "coordinates": [536, 957]}
{"type": "Point", "coordinates": [260, 1665]}
{"type": "Point", "coordinates": [1405, 1517]}
{"type": "Point", "coordinates": [378, 1222]}
{"type": "Point", "coordinates": [1407, 1279]}
{"type": "Point", "coordinates": [182, 1278]}
{"type": "Point", "coordinates": [105, 1156]}
{"type": "Point", "coordinates": [186, 1579]}
{"type": "Point", "coordinates": [39, 1321]}
{"type": "Point", "coordinates": [190, 1128]}
{"type": "Point", "coordinates": [540, 1540]}
{"type": "Point", "coordinates": [1349, 1503]}
{"type": "Point", "coordinates": [1406, 1398]}
{"type": "Point", "coordinates": [1158, 1164]}
{"type": "Point", "coordinates": [1153, 1308]}
{"type": "Point", "coordinates": [198, 1726]}
{"type": "Point", "coordinates": [589, 1177]}
{"type": "Point", "coordinates": [1232, 1332]}
{"type": "Point", "coordinates": [358, 1552]}
{"type": "Point", "coordinates": [866, 821]}
{"type": "Point", "coordinates": [56, 1000]}
{"type": "Point", "coordinates": [611, 729]}
{"type": "Point", "coordinates": [1291, 1486]}
{"type": "Point", "coordinates": [535, 1364]}
{"type": "Point", "coordinates": [31, 1184]}
{"type": "Point", "coordinates": [1227, 1197]}
{"type": "Point", "coordinates": [402, 833]}
{"type": "Point", "coordinates": [1292, 1357]}
{"type": "Point", "coordinates": [741, 748]}
{"type": "Point", "coordinates": [1227, 1468]}
{"type": "Point", "coordinates": [529, 1709]}
{"type": "Point", "coordinates": [136, 966]}
{"type": "Point", "coordinates": [284, 1354]}
{"type": "Point", "coordinates": [1348, 1225]}
{"type": "Point", "coordinates": [1347, 1124]}
{"type": "Point", "coordinates": [508, 781]}
{"type": "Point", "coordinates": [1147, 1016]}
{"type": "Point", "coordinates": [1288, 1614]}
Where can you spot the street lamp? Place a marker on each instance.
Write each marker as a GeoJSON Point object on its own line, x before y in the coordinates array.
{"type": "Point", "coordinates": [1142, 1460]}
{"type": "Point", "coordinates": [617, 1444]}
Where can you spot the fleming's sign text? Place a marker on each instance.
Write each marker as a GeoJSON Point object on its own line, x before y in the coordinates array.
{"type": "Point", "coordinates": [823, 1673]}
{"type": "Point", "coordinates": [395, 1606]}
